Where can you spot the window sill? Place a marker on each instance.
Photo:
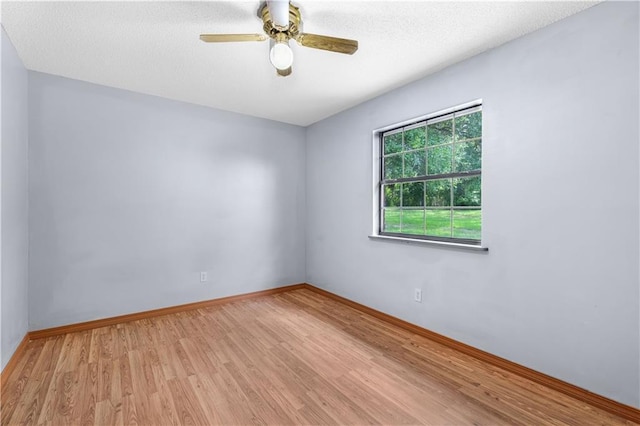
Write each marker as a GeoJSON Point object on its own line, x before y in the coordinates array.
{"type": "Point", "coordinates": [443, 244]}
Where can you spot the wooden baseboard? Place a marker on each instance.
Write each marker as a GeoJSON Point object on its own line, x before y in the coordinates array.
{"type": "Point", "coordinates": [13, 361]}
{"type": "Point", "coordinates": [573, 391]}
{"type": "Point", "coordinates": [89, 325]}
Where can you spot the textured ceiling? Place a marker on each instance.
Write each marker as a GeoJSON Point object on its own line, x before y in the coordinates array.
{"type": "Point", "coordinates": [153, 47]}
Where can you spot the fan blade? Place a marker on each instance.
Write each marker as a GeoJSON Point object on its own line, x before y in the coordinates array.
{"type": "Point", "coordinates": [284, 73]}
{"type": "Point", "coordinates": [223, 38]}
{"type": "Point", "coordinates": [279, 12]}
{"type": "Point", "coordinates": [332, 44]}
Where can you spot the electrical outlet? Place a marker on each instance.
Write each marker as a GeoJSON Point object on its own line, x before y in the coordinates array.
{"type": "Point", "coordinates": [203, 277]}
{"type": "Point", "coordinates": [417, 295]}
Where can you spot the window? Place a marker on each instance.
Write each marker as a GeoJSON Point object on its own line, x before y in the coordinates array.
{"type": "Point", "coordinates": [430, 178]}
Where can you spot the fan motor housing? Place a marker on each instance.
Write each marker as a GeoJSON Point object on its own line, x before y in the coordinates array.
{"type": "Point", "coordinates": [273, 31]}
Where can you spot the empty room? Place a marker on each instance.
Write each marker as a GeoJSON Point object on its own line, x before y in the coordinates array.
{"type": "Point", "coordinates": [320, 212]}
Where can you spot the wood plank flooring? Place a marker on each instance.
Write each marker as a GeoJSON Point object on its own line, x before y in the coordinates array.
{"type": "Point", "coordinates": [290, 358]}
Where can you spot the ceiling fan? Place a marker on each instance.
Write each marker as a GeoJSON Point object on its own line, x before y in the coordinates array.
{"type": "Point", "coordinates": [282, 23]}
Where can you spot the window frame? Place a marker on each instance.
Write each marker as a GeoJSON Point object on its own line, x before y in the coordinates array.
{"type": "Point", "coordinates": [379, 181]}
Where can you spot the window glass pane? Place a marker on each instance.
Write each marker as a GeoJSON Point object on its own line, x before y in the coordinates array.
{"type": "Point", "coordinates": [469, 126]}
{"type": "Point", "coordinates": [393, 167]}
{"type": "Point", "coordinates": [392, 195]}
{"type": "Point", "coordinates": [393, 143]}
{"type": "Point", "coordinates": [439, 160]}
{"type": "Point", "coordinates": [439, 133]}
{"type": "Point", "coordinates": [468, 156]}
{"type": "Point", "coordinates": [391, 221]}
{"type": "Point", "coordinates": [414, 163]}
{"type": "Point", "coordinates": [466, 191]}
{"type": "Point", "coordinates": [438, 223]}
{"type": "Point", "coordinates": [438, 193]}
{"type": "Point", "coordinates": [413, 222]}
{"type": "Point", "coordinates": [466, 223]}
{"type": "Point", "coordinates": [413, 194]}
{"type": "Point", "coordinates": [415, 138]}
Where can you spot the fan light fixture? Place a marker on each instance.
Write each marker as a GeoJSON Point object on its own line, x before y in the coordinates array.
{"type": "Point", "coordinates": [281, 55]}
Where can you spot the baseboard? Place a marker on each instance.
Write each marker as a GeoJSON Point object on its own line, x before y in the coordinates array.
{"type": "Point", "coordinates": [13, 361]}
{"type": "Point", "coordinates": [604, 403]}
{"type": "Point", "coordinates": [89, 325]}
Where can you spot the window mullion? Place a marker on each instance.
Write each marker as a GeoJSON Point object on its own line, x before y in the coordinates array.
{"type": "Point", "coordinates": [453, 155]}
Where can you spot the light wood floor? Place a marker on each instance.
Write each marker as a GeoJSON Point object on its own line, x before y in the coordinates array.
{"type": "Point", "coordinates": [291, 358]}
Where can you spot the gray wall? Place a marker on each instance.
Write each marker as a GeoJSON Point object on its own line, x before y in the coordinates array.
{"type": "Point", "coordinates": [558, 290]}
{"type": "Point", "coordinates": [13, 189]}
{"type": "Point", "coordinates": [131, 196]}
